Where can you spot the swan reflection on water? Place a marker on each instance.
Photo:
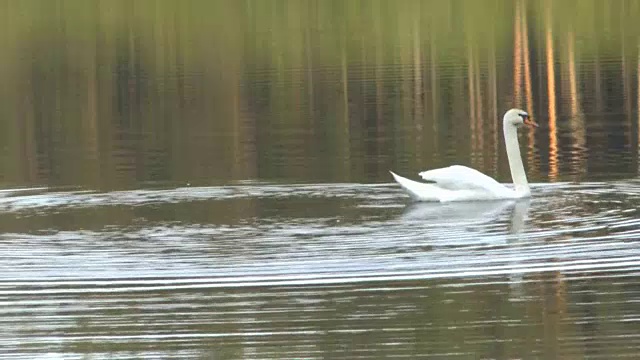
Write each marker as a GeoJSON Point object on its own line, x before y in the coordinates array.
{"type": "Point", "coordinates": [466, 228]}
{"type": "Point", "coordinates": [469, 213]}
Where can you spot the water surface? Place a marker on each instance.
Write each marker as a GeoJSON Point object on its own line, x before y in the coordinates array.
{"type": "Point", "coordinates": [209, 180]}
{"type": "Point", "coordinates": [320, 270]}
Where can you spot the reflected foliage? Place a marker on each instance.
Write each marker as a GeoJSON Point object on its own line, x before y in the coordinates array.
{"type": "Point", "coordinates": [112, 94]}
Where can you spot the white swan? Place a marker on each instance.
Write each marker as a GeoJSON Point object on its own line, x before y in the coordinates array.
{"type": "Point", "coordinates": [460, 183]}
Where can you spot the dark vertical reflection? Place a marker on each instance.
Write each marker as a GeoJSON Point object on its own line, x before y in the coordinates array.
{"type": "Point", "coordinates": [522, 74]}
{"type": "Point", "coordinates": [342, 129]}
{"type": "Point", "coordinates": [434, 87]}
{"type": "Point", "coordinates": [473, 99]}
{"type": "Point", "coordinates": [638, 105]}
{"type": "Point", "coordinates": [493, 113]}
{"type": "Point", "coordinates": [418, 109]}
{"type": "Point", "coordinates": [627, 79]}
{"type": "Point", "coordinates": [379, 68]}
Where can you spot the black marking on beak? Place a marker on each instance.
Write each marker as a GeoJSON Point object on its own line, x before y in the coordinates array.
{"type": "Point", "coordinates": [527, 120]}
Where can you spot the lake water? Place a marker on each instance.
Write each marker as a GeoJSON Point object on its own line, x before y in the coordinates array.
{"type": "Point", "coordinates": [185, 180]}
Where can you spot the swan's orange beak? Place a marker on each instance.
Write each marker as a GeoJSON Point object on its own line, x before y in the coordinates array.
{"type": "Point", "coordinates": [529, 122]}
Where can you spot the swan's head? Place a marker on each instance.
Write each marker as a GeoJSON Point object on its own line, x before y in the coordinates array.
{"type": "Point", "coordinates": [517, 118]}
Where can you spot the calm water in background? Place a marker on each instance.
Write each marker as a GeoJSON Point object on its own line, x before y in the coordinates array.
{"type": "Point", "coordinates": [209, 180]}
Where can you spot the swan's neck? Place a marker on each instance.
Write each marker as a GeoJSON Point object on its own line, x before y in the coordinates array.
{"type": "Point", "coordinates": [515, 160]}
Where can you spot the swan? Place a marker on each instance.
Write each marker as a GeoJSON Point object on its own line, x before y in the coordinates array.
{"type": "Point", "coordinates": [461, 183]}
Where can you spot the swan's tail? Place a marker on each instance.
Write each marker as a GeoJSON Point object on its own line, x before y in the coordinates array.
{"type": "Point", "coordinates": [419, 191]}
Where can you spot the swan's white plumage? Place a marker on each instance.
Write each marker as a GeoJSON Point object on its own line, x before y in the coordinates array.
{"type": "Point", "coordinates": [458, 177]}
{"type": "Point", "coordinates": [434, 192]}
{"type": "Point", "coordinates": [461, 183]}
{"type": "Point", "coordinates": [419, 191]}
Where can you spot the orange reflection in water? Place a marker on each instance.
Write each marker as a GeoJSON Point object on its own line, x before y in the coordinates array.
{"type": "Point", "coordinates": [517, 54]}
{"type": "Point", "coordinates": [551, 93]}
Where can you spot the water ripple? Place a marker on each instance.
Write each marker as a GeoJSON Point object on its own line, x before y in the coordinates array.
{"type": "Point", "coordinates": [297, 266]}
{"type": "Point", "coordinates": [558, 229]}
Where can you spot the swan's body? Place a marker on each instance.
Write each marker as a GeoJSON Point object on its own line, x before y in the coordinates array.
{"type": "Point", "coordinates": [461, 183]}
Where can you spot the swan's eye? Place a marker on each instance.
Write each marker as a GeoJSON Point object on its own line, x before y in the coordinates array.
{"type": "Point", "coordinates": [524, 116]}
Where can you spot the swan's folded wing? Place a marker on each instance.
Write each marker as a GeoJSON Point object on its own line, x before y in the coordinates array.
{"type": "Point", "coordinates": [458, 177]}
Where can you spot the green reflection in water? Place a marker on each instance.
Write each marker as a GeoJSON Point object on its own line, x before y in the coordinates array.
{"type": "Point", "coordinates": [112, 94]}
